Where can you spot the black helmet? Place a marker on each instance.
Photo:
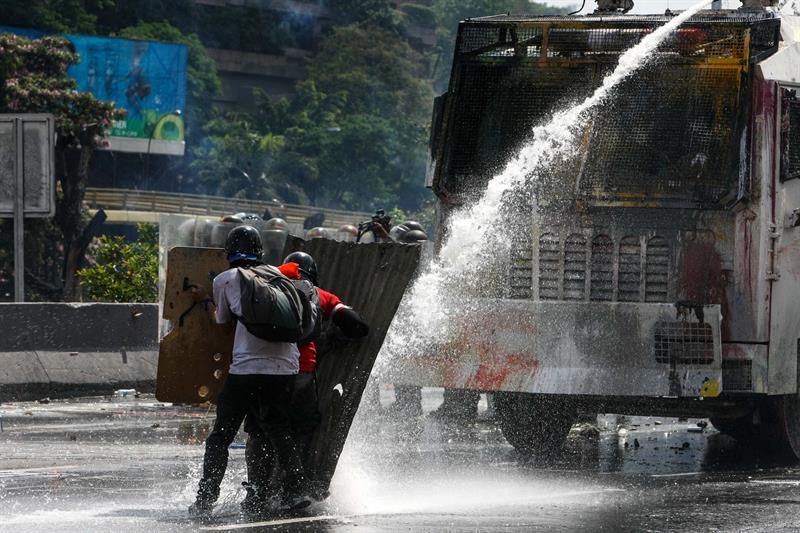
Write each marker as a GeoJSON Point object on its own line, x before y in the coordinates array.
{"type": "Point", "coordinates": [414, 235]}
{"type": "Point", "coordinates": [397, 232]}
{"type": "Point", "coordinates": [306, 264]}
{"type": "Point", "coordinates": [243, 243]}
{"type": "Point", "coordinates": [413, 224]}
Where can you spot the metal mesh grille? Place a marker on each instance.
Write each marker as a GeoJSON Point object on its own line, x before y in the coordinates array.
{"type": "Point", "coordinates": [790, 136]}
{"type": "Point", "coordinates": [764, 36]}
{"type": "Point", "coordinates": [630, 269]}
{"type": "Point", "coordinates": [563, 270]}
{"type": "Point", "coordinates": [737, 375]}
{"type": "Point", "coordinates": [656, 270]}
{"type": "Point", "coordinates": [602, 273]}
{"type": "Point", "coordinates": [575, 267]}
{"type": "Point", "coordinates": [521, 270]}
{"type": "Point", "coordinates": [671, 131]}
{"type": "Point", "coordinates": [549, 266]}
{"type": "Point", "coordinates": [510, 41]}
{"type": "Point", "coordinates": [686, 343]}
{"type": "Point", "coordinates": [495, 107]}
{"type": "Point", "coordinates": [568, 41]}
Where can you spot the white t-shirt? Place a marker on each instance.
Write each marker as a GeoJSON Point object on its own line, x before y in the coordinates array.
{"type": "Point", "coordinates": [251, 355]}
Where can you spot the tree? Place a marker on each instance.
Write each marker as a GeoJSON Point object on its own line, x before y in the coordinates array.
{"type": "Point", "coordinates": [235, 156]}
{"type": "Point", "coordinates": [376, 13]}
{"type": "Point", "coordinates": [78, 16]}
{"type": "Point", "coordinates": [356, 129]}
{"type": "Point", "coordinates": [35, 81]}
{"type": "Point", "coordinates": [123, 271]}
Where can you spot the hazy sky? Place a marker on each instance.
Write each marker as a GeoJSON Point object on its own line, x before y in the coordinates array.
{"type": "Point", "coordinates": [642, 6]}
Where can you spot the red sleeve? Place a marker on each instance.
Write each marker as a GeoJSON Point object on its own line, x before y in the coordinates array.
{"type": "Point", "coordinates": [327, 302]}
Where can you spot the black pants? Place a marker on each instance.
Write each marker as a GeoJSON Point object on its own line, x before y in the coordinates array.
{"type": "Point", "coordinates": [270, 397]}
{"type": "Point", "coordinates": [305, 418]}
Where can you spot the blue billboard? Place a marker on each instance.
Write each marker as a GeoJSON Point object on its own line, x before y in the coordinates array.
{"type": "Point", "coordinates": [146, 78]}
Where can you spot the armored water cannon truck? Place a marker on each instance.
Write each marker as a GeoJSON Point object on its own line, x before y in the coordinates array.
{"type": "Point", "coordinates": [662, 275]}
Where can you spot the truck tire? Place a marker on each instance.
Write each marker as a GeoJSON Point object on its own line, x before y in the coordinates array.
{"type": "Point", "coordinates": [535, 425]}
{"type": "Point", "coordinates": [741, 429]}
{"type": "Point", "coordinates": [784, 421]}
{"type": "Point", "coordinates": [774, 431]}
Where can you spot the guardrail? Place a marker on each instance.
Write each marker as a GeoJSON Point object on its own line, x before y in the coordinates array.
{"type": "Point", "coordinates": [197, 204]}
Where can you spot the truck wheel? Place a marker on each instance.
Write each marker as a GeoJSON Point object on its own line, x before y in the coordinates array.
{"type": "Point", "coordinates": [535, 425]}
{"type": "Point", "coordinates": [772, 431]}
{"type": "Point", "coordinates": [784, 425]}
{"type": "Point", "coordinates": [741, 428]}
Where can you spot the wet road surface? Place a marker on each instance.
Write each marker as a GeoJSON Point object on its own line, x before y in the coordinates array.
{"type": "Point", "coordinates": [128, 464]}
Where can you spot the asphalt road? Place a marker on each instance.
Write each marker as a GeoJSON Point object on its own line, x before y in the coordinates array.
{"type": "Point", "coordinates": [127, 464]}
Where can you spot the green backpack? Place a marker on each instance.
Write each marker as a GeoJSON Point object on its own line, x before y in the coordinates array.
{"type": "Point", "coordinates": [276, 308]}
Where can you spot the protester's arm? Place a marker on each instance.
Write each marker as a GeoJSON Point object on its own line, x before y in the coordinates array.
{"type": "Point", "coordinates": [223, 315]}
{"type": "Point", "coordinates": [217, 308]}
{"type": "Point", "coordinates": [350, 322]}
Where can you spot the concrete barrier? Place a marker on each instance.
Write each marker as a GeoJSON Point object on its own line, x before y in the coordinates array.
{"type": "Point", "coordinates": [62, 350]}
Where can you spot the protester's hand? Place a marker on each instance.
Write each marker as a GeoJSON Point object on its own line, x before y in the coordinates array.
{"type": "Point", "coordinates": [199, 293]}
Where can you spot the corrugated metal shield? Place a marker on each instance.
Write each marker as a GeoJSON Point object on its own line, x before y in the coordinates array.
{"type": "Point", "coordinates": [371, 278]}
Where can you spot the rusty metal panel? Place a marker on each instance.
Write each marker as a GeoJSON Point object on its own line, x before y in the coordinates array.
{"type": "Point", "coordinates": [580, 348]}
{"type": "Point", "coordinates": [755, 221]}
{"type": "Point", "coordinates": [372, 279]}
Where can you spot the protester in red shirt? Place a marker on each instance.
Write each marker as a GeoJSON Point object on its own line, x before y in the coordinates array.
{"type": "Point", "coordinates": [305, 416]}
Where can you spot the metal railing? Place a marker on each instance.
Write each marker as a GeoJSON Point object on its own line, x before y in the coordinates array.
{"type": "Point", "coordinates": [196, 204]}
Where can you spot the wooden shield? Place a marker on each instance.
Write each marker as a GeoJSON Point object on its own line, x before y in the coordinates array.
{"type": "Point", "coordinates": [193, 358]}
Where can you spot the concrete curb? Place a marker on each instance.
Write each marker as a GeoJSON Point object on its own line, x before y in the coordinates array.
{"type": "Point", "coordinates": [63, 350]}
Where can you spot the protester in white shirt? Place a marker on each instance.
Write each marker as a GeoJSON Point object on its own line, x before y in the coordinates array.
{"type": "Point", "coordinates": [260, 380]}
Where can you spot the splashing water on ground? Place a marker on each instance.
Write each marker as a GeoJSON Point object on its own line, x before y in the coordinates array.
{"type": "Point", "coordinates": [472, 239]}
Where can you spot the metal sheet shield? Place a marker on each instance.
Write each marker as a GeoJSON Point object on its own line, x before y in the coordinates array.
{"type": "Point", "coordinates": [371, 278]}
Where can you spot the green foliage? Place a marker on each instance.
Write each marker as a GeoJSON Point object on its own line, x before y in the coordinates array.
{"type": "Point", "coordinates": [123, 271]}
{"type": "Point", "coordinates": [419, 15]}
{"type": "Point", "coordinates": [35, 76]}
{"type": "Point", "coordinates": [366, 109]}
{"type": "Point", "coordinates": [228, 26]}
{"type": "Point", "coordinates": [375, 13]}
{"type": "Point", "coordinates": [35, 81]}
{"type": "Point", "coordinates": [352, 136]}
{"type": "Point", "coordinates": [377, 70]}
{"type": "Point", "coordinates": [76, 16]}
{"type": "Point", "coordinates": [242, 28]}
{"type": "Point", "coordinates": [234, 157]}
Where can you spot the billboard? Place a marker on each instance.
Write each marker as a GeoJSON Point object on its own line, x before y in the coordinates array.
{"type": "Point", "coordinates": [146, 78]}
